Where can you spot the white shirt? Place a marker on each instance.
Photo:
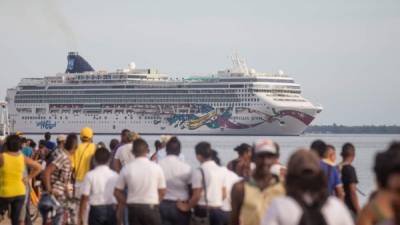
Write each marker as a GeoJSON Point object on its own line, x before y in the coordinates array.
{"type": "Point", "coordinates": [143, 179]}
{"type": "Point", "coordinates": [162, 154]}
{"type": "Point", "coordinates": [215, 182]}
{"type": "Point", "coordinates": [230, 179]}
{"type": "Point", "coordinates": [334, 212]}
{"type": "Point", "coordinates": [178, 176]}
{"type": "Point", "coordinates": [124, 154]}
{"type": "Point", "coordinates": [99, 185]}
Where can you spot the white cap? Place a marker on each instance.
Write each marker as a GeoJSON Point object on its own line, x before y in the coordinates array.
{"type": "Point", "coordinates": [61, 137]}
{"type": "Point", "coordinates": [165, 138]}
{"type": "Point", "coordinates": [265, 145]}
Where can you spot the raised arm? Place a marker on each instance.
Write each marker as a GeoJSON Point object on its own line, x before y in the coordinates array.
{"type": "Point", "coordinates": [36, 168]}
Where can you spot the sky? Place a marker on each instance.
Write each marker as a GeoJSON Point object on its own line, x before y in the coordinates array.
{"type": "Point", "coordinates": [345, 54]}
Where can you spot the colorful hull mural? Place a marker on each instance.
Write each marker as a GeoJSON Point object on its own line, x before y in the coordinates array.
{"type": "Point", "coordinates": [222, 118]}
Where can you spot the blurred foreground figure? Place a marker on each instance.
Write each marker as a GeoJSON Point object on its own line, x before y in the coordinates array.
{"type": "Point", "coordinates": [307, 201]}
{"type": "Point", "coordinates": [384, 206]}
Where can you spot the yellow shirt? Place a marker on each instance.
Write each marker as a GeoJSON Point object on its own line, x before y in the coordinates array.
{"type": "Point", "coordinates": [256, 201]}
{"type": "Point", "coordinates": [11, 176]}
{"type": "Point", "coordinates": [81, 159]}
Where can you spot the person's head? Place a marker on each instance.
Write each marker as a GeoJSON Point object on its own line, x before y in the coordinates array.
{"type": "Point", "coordinates": [307, 184]}
{"type": "Point", "coordinates": [215, 157]}
{"type": "Point", "coordinates": [348, 152]}
{"type": "Point", "coordinates": [135, 135]}
{"type": "Point", "coordinates": [387, 168]}
{"type": "Point", "coordinates": [42, 144]}
{"type": "Point", "coordinates": [157, 145]}
{"type": "Point", "coordinates": [164, 140]}
{"type": "Point", "coordinates": [265, 156]}
{"type": "Point", "coordinates": [61, 140]}
{"type": "Point", "coordinates": [244, 151]}
{"type": "Point", "coordinates": [101, 145]}
{"type": "Point", "coordinates": [140, 148]}
{"type": "Point", "coordinates": [19, 133]}
{"type": "Point", "coordinates": [173, 146]}
{"type": "Point", "coordinates": [86, 134]}
{"type": "Point", "coordinates": [319, 147]}
{"type": "Point", "coordinates": [13, 143]}
{"type": "Point", "coordinates": [32, 144]}
{"type": "Point", "coordinates": [102, 156]}
{"type": "Point", "coordinates": [113, 144]}
{"type": "Point", "coordinates": [203, 151]}
{"type": "Point", "coordinates": [330, 153]}
{"type": "Point", "coordinates": [126, 136]}
{"type": "Point", "coordinates": [24, 142]}
{"type": "Point", "coordinates": [71, 142]}
{"type": "Point", "coordinates": [47, 136]}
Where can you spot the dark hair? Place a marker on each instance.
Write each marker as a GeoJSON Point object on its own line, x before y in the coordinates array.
{"type": "Point", "coordinates": [140, 147]}
{"type": "Point", "coordinates": [101, 145]}
{"type": "Point", "coordinates": [71, 142]}
{"type": "Point", "coordinates": [32, 144]}
{"type": "Point", "coordinates": [203, 149]}
{"type": "Point", "coordinates": [347, 150]}
{"type": "Point", "coordinates": [387, 163]}
{"type": "Point", "coordinates": [319, 147]}
{"type": "Point", "coordinates": [13, 143]}
{"type": "Point", "coordinates": [242, 148]}
{"type": "Point", "coordinates": [278, 149]}
{"type": "Point", "coordinates": [42, 143]}
{"type": "Point", "coordinates": [128, 134]}
{"type": "Point", "coordinates": [173, 146]}
{"type": "Point", "coordinates": [113, 144]}
{"type": "Point", "coordinates": [23, 140]}
{"type": "Point", "coordinates": [158, 145]}
{"type": "Point", "coordinates": [47, 136]}
{"type": "Point", "coordinates": [214, 157]}
{"type": "Point", "coordinates": [102, 155]}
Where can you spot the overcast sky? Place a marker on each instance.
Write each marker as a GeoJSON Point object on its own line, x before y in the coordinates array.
{"type": "Point", "coordinates": [345, 54]}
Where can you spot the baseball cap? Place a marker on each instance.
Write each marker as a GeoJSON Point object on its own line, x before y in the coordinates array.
{"type": "Point", "coordinates": [303, 161]}
{"type": "Point", "coordinates": [86, 132]}
{"type": "Point", "coordinates": [265, 146]}
{"type": "Point", "coordinates": [19, 133]}
{"type": "Point", "coordinates": [61, 137]}
{"type": "Point", "coordinates": [165, 138]}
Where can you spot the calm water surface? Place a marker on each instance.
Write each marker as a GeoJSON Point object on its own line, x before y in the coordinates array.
{"type": "Point", "coordinates": [366, 148]}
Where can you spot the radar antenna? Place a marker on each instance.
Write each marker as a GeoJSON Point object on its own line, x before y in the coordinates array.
{"type": "Point", "coordinates": [239, 64]}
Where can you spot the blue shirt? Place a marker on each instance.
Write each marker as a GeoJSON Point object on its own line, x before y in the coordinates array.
{"type": "Point", "coordinates": [50, 145]}
{"type": "Point", "coordinates": [333, 176]}
{"type": "Point", "coordinates": [27, 151]}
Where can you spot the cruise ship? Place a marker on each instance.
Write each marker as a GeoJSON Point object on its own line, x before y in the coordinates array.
{"type": "Point", "coordinates": [235, 101]}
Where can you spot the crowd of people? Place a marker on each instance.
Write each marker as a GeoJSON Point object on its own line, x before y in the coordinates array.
{"type": "Point", "coordinates": [127, 183]}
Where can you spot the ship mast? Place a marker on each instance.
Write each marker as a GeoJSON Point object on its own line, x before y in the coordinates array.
{"type": "Point", "coordinates": [239, 64]}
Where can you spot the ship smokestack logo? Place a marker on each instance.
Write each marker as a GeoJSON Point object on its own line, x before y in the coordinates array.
{"type": "Point", "coordinates": [77, 64]}
{"type": "Point", "coordinates": [71, 63]}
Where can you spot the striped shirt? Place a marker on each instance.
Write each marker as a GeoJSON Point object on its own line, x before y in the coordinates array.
{"type": "Point", "coordinates": [61, 178]}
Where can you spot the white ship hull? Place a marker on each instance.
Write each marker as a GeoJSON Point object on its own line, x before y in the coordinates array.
{"type": "Point", "coordinates": [249, 122]}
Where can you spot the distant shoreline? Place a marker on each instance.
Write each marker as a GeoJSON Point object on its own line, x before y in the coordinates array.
{"type": "Point", "coordinates": [341, 129]}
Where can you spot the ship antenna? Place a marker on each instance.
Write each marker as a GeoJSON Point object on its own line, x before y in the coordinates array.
{"type": "Point", "coordinates": [239, 64]}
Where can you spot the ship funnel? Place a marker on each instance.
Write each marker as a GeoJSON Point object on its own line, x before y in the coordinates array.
{"type": "Point", "coordinates": [77, 64]}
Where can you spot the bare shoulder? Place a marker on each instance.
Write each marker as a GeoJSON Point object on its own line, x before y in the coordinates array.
{"type": "Point", "coordinates": [238, 188]}
{"type": "Point", "coordinates": [366, 215]}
